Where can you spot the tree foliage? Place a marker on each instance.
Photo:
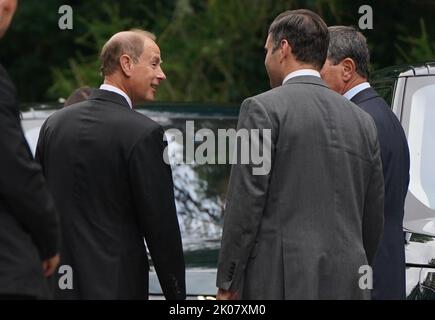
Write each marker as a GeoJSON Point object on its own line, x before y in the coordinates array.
{"type": "Point", "coordinates": [212, 49]}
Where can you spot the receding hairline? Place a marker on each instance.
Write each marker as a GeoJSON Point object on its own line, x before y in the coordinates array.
{"type": "Point", "coordinates": [130, 35]}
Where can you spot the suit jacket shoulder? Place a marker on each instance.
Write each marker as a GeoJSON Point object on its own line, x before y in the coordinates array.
{"type": "Point", "coordinates": [114, 113]}
{"type": "Point", "coordinates": [299, 95]}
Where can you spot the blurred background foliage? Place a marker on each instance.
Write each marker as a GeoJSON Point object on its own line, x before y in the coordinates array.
{"type": "Point", "coordinates": [212, 49]}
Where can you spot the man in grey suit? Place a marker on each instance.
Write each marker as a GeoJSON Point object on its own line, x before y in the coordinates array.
{"type": "Point", "coordinates": [304, 229]}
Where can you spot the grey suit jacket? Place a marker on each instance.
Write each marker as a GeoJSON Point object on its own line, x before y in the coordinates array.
{"type": "Point", "coordinates": [303, 230]}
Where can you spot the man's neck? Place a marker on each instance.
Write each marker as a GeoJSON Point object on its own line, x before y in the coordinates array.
{"type": "Point", "coordinates": [118, 85]}
{"type": "Point", "coordinates": [353, 83]}
{"type": "Point", "coordinates": [295, 67]}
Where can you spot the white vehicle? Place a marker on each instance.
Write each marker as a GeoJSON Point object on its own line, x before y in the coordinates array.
{"type": "Point", "coordinates": [410, 90]}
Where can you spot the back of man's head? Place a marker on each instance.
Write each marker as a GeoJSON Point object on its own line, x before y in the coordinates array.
{"type": "Point", "coordinates": [126, 42]}
{"type": "Point", "coordinates": [306, 33]}
{"type": "Point", "coordinates": [79, 95]}
{"type": "Point", "coordinates": [347, 42]}
{"type": "Point", "coordinates": [7, 10]}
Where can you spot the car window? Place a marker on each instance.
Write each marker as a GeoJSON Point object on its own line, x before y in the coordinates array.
{"type": "Point", "coordinates": [386, 93]}
{"type": "Point", "coordinates": [200, 189]}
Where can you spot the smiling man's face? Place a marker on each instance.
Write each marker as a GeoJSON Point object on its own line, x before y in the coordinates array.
{"type": "Point", "coordinates": [147, 73]}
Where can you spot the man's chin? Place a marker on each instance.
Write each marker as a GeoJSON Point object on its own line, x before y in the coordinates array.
{"type": "Point", "coordinates": [150, 97]}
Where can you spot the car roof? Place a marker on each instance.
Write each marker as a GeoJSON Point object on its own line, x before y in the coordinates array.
{"type": "Point", "coordinates": [406, 70]}
{"type": "Point", "coordinates": [154, 109]}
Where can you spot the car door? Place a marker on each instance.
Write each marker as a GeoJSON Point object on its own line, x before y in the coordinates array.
{"type": "Point", "coordinates": [417, 115]}
{"type": "Point", "coordinates": [418, 120]}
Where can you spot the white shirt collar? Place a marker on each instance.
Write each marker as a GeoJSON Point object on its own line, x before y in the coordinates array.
{"type": "Point", "coordinates": [355, 90]}
{"type": "Point", "coordinates": [301, 72]}
{"type": "Point", "coordinates": [109, 87]}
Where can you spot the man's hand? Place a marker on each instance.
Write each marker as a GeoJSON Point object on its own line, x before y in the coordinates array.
{"type": "Point", "coordinates": [227, 295]}
{"type": "Point", "coordinates": [50, 265]}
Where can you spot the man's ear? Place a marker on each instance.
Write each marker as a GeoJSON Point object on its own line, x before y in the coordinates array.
{"type": "Point", "coordinates": [349, 69]}
{"type": "Point", "coordinates": [284, 49]}
{"type": "Point", "coordinates": [126, 64]}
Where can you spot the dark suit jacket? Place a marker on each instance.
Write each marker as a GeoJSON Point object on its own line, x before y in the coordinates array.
{"type": "Point", "coordinates": [29, 226]}
{"type": "Point", "coordinates": [104, 164]}
{"type": "Point", "coordinates": [389, 265]}
{"type": "Point", "coordinates": [304, 230]}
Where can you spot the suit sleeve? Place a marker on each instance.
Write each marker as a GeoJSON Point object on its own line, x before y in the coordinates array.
{"type": "Point", "coordinates": [373, 219]}
{"type": "Point", "coordinates": [153, 192]}
{"type": "Point", "coordinates": [23, 187]}
{"type": "Point", "coordinates": [246, 198]}
{"type": "Point", "coordinates": [39, 152]}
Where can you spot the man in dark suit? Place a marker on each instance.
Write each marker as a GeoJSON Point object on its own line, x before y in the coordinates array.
{"type": "Point", "coordinates": [29, 226]}
{"type": "Point", "coordinates": [304, 229]}
{"type": "Point", "coordinates": [104, 162]}
{"type": "Point", "coordinates": [346, 71]}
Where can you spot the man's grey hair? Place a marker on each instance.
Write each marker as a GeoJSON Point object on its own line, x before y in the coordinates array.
{"type": "Point", "coordinates": [347, 42]}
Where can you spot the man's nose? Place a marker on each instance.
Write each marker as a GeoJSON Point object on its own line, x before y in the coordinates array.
{"type": "Point", "coordinates": [161, 75]}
